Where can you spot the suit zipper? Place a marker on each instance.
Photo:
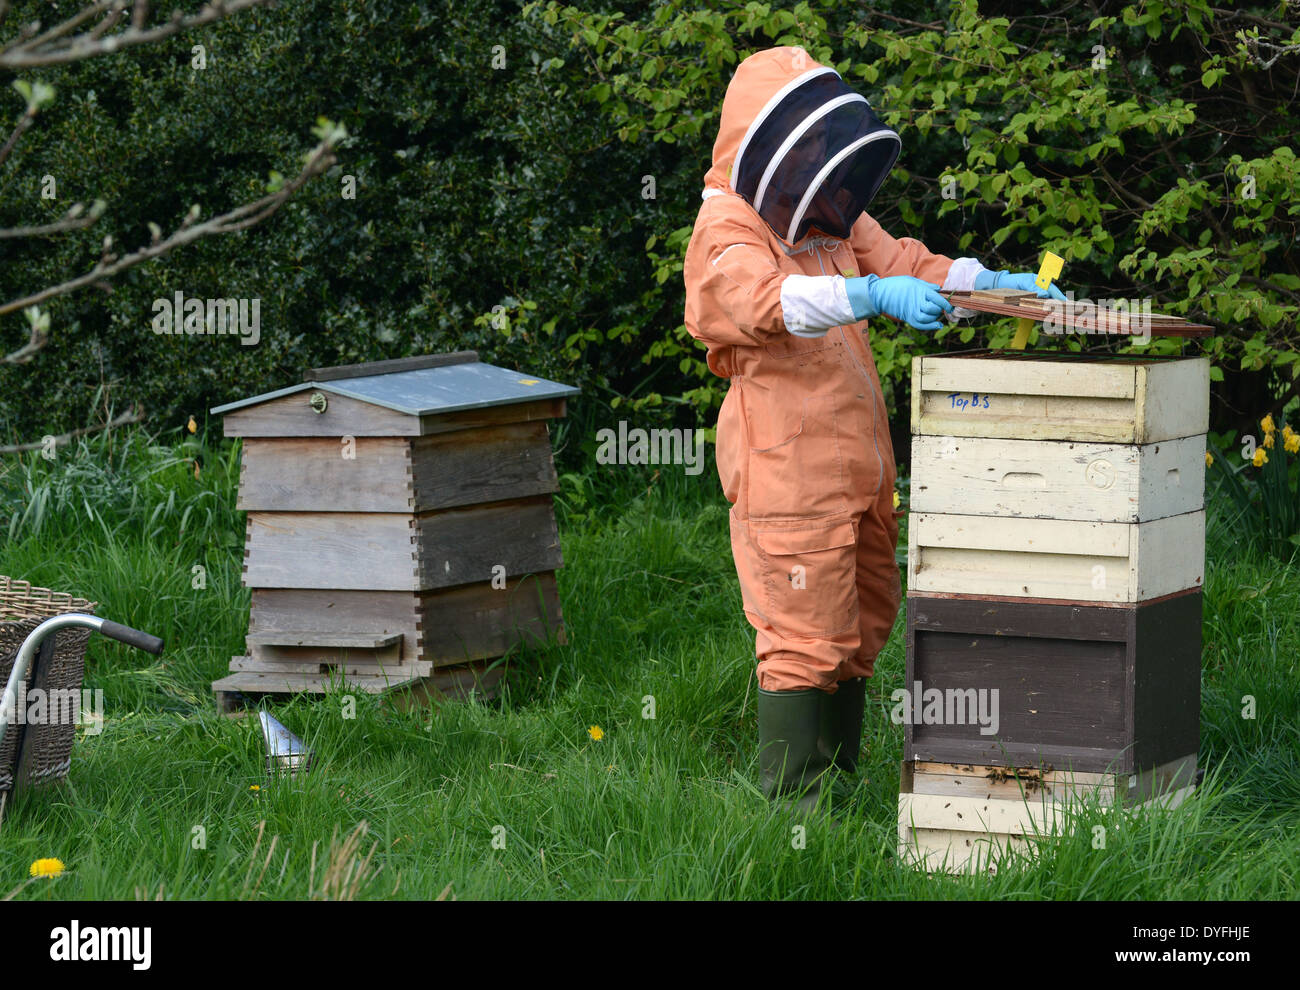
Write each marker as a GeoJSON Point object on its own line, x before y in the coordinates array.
{"type": "Point", "coordinates": [875, 441]}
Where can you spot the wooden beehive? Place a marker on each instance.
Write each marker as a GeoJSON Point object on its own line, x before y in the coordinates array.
{"type": "Point", "coordinates": [400, 526]}
{"type": "Point", "coordinates": [1055, 557]}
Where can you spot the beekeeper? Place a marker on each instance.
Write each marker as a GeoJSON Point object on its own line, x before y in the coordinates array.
{"type": "Point", "coordinates": [783, 271]}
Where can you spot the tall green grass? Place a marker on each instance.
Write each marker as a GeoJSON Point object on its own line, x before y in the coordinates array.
{"type": "Point", "coordinates": [515, 799]}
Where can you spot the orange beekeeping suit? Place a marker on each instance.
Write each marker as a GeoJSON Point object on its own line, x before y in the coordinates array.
{"type": "Point", "coordinates": [803, 448]}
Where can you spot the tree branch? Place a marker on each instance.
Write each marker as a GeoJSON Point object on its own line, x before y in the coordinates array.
{"type": "Point", "coordinates": [72, 220]}
{"type": "Point", "coordinates": [52, 48]}
{"type": "Point", "coordinates": [24, 122]}
{"type": "Point", "coordinates": [240, 218]}
{"type": "Point", "coordinates": [133, 415]}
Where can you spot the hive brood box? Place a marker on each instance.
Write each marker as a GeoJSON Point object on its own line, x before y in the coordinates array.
{"type": "Point", "coordinates": [1055, 562]}
{"type": "Point", "coordinates": [400, 525]}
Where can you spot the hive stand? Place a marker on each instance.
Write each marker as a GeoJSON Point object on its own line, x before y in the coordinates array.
{"type": "Point", "coordinates": [400, 531]}
{"type": "Point", "coordinates": [1056, 557]}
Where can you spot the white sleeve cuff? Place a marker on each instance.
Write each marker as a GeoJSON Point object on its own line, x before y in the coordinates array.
{"type": "Point", "coordinates": [961, 278]}
{"type": "Point", "coordinates": [812, 304]}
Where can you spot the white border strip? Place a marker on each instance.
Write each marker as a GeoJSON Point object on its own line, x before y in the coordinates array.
{"type": "Point", "coordinates": [771, 105]}
{"type": "Point", "coordinates": [796, 134]}
{"type": "Point", "coordinates": [829, 167]}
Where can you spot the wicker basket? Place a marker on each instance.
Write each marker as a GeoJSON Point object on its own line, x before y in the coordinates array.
{"type": "Point", "coordinates": [49, 746]}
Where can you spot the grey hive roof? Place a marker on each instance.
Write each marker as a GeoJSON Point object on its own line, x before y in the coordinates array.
{"type": "Point", "coordinates": [428, 391]}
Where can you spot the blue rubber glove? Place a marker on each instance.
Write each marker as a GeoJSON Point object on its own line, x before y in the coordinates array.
{"type": "Point", "coordinates": [903, 297]}
{"type": "Point", "coordinates": [1023, 281]}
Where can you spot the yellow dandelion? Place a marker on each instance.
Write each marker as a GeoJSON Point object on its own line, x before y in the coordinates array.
{"type": "Point", "coordinates": [1209, 459]}
{"type": "Point", "coordinates": [1260, 458]}
{"type": "Point", "coordinates": [897, 501]}
{"type": "Point", "coordinates": [596, 733]}
{"type": "Point", "coordinates": [254, 787]}
{"type": "Point", "coordinates": [1268, 440]}
{"type": "Point", "coordinates": [1291, 444]}
{"type": "Point", "coordinates": [1268, 424]}
{"type": "Point", "coordinates": [48, 868]}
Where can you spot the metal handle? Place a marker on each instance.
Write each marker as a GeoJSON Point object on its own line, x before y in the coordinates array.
{"type": "Point", "coordinates": [18, 675]}
{"type": "Point", "coordinates": [131, 637]}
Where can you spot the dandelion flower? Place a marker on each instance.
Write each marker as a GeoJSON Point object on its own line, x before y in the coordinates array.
{"type": "Point", "coordinates": [1209, 459]}
{"type": "Point", "coordinates": [897, 501]}
{"type": "Point", "coordinates": [254, 787]}
{"type": "Point", "coordinates": [1268, 424]}
{"type": "Point", "coordinates": [1291, 444]}
{"type": "Point", "coordinates": [1260, 458]}
{"type": "Point", "coordinates": [48, 868]}
{"type": "Point", "coordinates": [596, 733]}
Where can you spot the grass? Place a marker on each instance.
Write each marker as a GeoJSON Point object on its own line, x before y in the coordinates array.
{"type": "Point", "coordinates": [515, 799]}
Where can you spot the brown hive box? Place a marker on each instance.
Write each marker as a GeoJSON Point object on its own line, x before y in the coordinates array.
{"type": "Point", "coordinates": [400, 526]}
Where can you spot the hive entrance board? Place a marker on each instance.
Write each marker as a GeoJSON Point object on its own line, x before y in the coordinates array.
{"type": "Point", "coordinates": [1079, 316]}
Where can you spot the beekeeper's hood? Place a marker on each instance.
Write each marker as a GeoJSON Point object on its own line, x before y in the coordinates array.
{"type": "Point", "coordinates": [801, 147]}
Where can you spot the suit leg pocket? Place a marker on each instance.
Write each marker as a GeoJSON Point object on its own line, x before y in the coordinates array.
{"type": "Point", "coordinates": [810, 578]}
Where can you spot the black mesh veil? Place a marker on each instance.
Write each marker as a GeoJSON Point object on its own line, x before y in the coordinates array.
{"type": "Point", "coordinates": [815, 157]}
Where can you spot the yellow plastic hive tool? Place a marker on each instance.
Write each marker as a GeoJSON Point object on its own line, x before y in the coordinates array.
{"type": "Point", "coordinates": [1048, 270]}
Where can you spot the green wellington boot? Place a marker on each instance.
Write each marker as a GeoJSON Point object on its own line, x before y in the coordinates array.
{"type": "Point", "coordinates": [847, 705]}
{"type": "Point", "coordinates": [794, 728]}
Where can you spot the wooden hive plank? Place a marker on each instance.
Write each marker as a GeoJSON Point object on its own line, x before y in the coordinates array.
{"type": "Point", "coordinates": [448, 626]}
{"type": "Point", "coordinates": [293, 683]}
{"type": "Point", "coordinates": [293, 416]}
{"type": "Point", "coordinates": [482, 679]}
{"type": "Point", "coordinates": [326, 474]}
{"type": "Point", "coordinates": [489, 464]}
{"type": "Point", "coordinates": [1012, 783]}
{"type": "Point", "coordinates": [1028, 816]}
{"type": "Point", "coordinates": [396, 474]}
{"type": "Point", "coordinates": [343, 640]}
{"type": "Point", "coordinates": [348, 665]}
{"type": "Point", "coordinates": [472, 419]}
{"type": "Point", "coordinates": [1019, 395]}
{"type": "Point", "coordinates": [344, 550]}
{"type": "Point", "coordinates": [467, 545]}
{"type": "Point", "coordinates": [950, 851]}
{"type": "Point", "coordinates": [1057, 479]}
{"type": "Point", "coordinates": [275, 611]}
{"type": "Point", "coordinates": [478, 621]}
{"type": "Point", "coordinates": [1056, 559]}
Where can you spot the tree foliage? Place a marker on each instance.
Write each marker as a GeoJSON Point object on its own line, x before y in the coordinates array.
{"type": "Point", "coordinates": [527, 175]}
